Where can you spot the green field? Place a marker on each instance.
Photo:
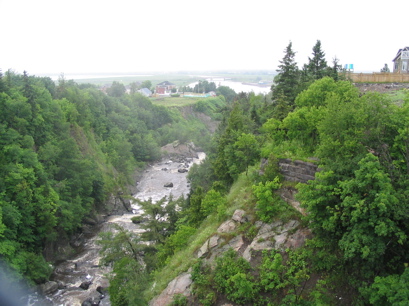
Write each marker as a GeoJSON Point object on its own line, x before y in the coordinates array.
{"type": "Point", "coordinates": [176, 101]}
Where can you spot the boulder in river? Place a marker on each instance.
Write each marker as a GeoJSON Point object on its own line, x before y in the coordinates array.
{"type": "Point", "coordinates": [85, 285]}
{"type": "Point", "coordinates": [93, 300]}
{"type": "Point", "coordinates": [102, 290]}
{"type": "Point", "coordinates": [182, 170]}
{"type": "Point", "coordinates": [170, 184]}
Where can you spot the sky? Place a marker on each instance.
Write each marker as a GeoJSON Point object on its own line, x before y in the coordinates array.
{"type": "Point", "coordinates": [124, 36]}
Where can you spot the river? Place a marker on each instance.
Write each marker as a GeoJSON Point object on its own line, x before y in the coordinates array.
{"type": "Point", "coordinates": [238, 86]}
{"type": "Point", "coordinates": [84, 267]}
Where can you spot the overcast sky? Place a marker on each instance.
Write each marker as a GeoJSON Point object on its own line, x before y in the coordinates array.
{"type": "Point", "coordinates": [88, 36]}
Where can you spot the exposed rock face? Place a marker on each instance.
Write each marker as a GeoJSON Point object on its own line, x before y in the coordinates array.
{"type": "Point", "coordinates": [297, 170]}
{"type": "Point", "coordinates": [177, 149]}
{"type": "Point", "coordinates": [239, 216]}
{"type": "Point", "coordinates": [235, 243]}
{"type": "Point", "coordinates": [288, 195]}
{"type": "Point", "coordinates": [227, 227]}
{"type": "Point", "coordinates": [277, 235]}
{"type": "Point", "coordinates": [118, 205]}
{"type": "Point", "coordinates": [48, 288]}
{"type": "Point", "coordinates": [180, 285]}
{"type": "Point", "coordinates": [209, 245]}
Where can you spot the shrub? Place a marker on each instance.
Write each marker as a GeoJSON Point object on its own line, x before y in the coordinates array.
{"type": "Point", "coordinates": [179, 300]}
{"type": "Point", "coordinates": [232, 278]}
{"type": "Point", "coordinates": [268, 204]}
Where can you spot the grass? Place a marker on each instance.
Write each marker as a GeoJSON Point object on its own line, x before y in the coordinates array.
{"type": "Point", "coordinates": [183, 259]}
{"type": "Point", "coordinates": [176, 101]}
{"type": "Point", "coordinates": [239, 197]}
{"type": "Point", "coordinates": [399, 96]}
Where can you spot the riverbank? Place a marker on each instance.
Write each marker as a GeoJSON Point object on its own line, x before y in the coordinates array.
{"type": "Point", "coordinates": [80, 279]}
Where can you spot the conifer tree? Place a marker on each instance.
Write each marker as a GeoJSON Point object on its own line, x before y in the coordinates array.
{"type": "Point", "coordinates": [317, 65]}
{"type": "Point", "coordinates": [287, 81]}
{"type": "Point", "coordinates": [2, 84]}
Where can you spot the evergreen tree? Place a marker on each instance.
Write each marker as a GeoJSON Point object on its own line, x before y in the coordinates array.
{"type": "Point", "coordinates": [287, 82]}
{"type": "Point", "coordinates": [333, 71]}
{"type": "Point", "coordinates": [317, 65]}
{"type": "Point", "coordinates": [2, 84]}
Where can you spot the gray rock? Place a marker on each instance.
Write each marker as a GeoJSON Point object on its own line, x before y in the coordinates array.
{"type": "Point", "coordinates": [238, 216]}
{"type": "Point", "coordinates": [94, 300]}
{"type": "Point", "coordinates": [49, 288]}
{"type": "Point", "coordinates": [168, 185]}
{"type": "Point", "coordinates": [227, 227]}
{"type": "Point", "coordinates": [180, 285]}
{"type": "Point", "coordinates": [271, 236]}
{"type": "Point", "coordinates": [85, 285]}
{"type": "Point", "coordinates": [211, 243]}
{"type": "Point", "coordinates": [90, 221]}
{"type": "Point", "coordinates": [102, 290]}
{"type": "Point", "coordinates": [236, 243]}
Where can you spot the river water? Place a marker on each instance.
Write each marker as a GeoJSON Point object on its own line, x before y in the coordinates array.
{"type": "Point", "coordinates": [238, 86]}
{"type": "Point", "coordinates": [84, 267]}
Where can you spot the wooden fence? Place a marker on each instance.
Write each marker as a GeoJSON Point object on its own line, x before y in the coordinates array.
{"type": "Point", "coordinates": [378, 77]}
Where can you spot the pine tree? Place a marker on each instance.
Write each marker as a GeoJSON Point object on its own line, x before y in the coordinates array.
{"type": "Point", "coordinates": [288, 79]}
{"type": "Point", "coordinates": [2, 84]}
{"type": "Point", "coordinates": [317, 65]}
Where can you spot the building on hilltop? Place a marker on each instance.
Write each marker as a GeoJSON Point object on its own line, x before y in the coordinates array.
{"type": "Point", "coordinates": [401, 61]}
{"type": "Point", "coordinates": [165, 88]}
{"type": "Point", "coordinates": [145, 92]}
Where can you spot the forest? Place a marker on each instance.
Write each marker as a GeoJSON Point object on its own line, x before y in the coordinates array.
{"type": "Point", "coordinates": [66, 147]}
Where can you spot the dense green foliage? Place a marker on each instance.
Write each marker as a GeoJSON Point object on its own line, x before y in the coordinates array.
{"type": "Point", "coordinates": [64, 148]}
{"type": "Point", "coordinates": [356, 207]}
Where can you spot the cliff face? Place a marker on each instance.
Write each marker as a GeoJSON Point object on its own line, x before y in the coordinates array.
{"type": "Point", "coordinates": [277, 235]}
{"type": "Point", "coordinates": [256, 237]}
{"type": "Point", "coordinates": [297, 170]}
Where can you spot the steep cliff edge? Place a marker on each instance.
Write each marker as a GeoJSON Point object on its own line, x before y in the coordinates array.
{"type": "Point", "coordinates": [249, 237]}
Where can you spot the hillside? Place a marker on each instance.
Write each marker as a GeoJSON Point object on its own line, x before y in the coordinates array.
{"type": "Point", "coordinates": [260, 236]}
{"type": "Point", "coordinates": [69, 155]}
{"type": "Point", "coordinates": [301, 199]}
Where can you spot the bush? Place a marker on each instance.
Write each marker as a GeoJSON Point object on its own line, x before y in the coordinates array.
{"type": "Point", "coordinates": [202, 285]}
{"type": "Point", "coordinates": [268, 203]}
{"type": "Point", "coordinates": [179, 300]}
{"type": "Point", "coordinates": [137, 219]}
{"type": "Point", "coordinates": [232, 278]}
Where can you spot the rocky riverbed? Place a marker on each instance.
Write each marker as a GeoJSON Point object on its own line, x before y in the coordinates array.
{"type": "Point", "coordinates": [80, 280]}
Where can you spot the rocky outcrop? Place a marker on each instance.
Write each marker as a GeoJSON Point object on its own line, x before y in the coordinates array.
{"type": "Point", "coordinates": [48, 288]}
{"type": "Point", "coordinates": [277, 235]}
{"type": "Point", "coordinates": [216, 245]}
{"type": "Point", "coordinates": [297, 170]}
{"type": "Point", "coordinates": [187, 150]}
{"type": "Point", "coordinates": [288, 195]}
{"type": "Point", "coordinates": [117, 205]}
{"type": "Point", "coordinates": [180, 285]}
